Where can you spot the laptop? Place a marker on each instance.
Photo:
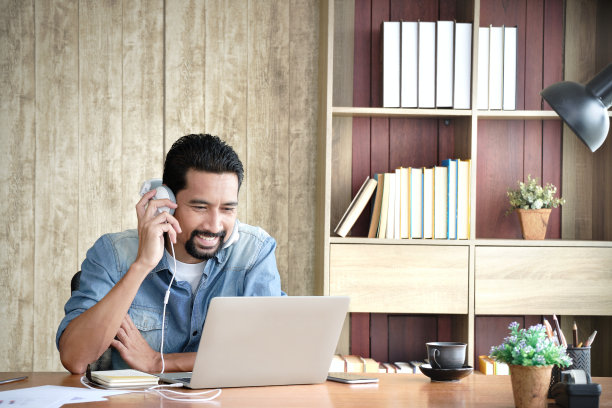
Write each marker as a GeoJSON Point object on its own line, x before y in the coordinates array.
{"type": "Point", "coordinates": [259, 341]}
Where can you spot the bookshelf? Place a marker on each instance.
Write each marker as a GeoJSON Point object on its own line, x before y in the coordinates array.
{"type": "Point", "coordinates": [458, 284]}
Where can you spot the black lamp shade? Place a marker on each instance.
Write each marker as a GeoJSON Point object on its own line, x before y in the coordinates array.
{"type": "Point", "coordinates": [584, 108]}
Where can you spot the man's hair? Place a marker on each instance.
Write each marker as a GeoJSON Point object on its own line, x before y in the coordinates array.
{"type": "Point", "coordinates": [203, 153]}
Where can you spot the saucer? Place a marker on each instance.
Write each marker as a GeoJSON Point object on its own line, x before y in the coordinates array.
{"type": "Point", "coordinates": [446, 375]}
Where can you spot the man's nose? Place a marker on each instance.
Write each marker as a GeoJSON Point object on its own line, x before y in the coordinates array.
{"type": "Point", "coordinates": [212, 222]}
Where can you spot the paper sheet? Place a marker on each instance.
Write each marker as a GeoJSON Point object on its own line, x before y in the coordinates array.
{"type": "Point", "coordinates": [52, 396]}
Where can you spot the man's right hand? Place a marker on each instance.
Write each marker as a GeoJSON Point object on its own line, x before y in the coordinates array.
{"type": "Point", "coordinates": [151, 228]}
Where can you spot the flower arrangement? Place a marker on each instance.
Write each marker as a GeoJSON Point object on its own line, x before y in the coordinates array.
{"type": "Point", "coordinates": [533, 196]}
{"type": "Point", "coordinates": [530, 347]}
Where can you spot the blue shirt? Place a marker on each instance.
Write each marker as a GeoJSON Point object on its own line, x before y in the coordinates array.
{"type": "Point", "coordinates": [247, 267]}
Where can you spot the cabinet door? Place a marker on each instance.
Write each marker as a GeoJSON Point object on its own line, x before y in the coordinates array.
{"type": "Point", "coordinates": [543, 280]}
{"type": "Point", "coordinates": [401, 278]}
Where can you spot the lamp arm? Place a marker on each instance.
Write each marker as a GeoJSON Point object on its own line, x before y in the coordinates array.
{"type": "Point", "coordinates": [601, 86]}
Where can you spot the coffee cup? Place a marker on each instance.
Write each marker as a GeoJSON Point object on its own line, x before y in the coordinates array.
{"type": "Point", "coordinates": [446, 354]}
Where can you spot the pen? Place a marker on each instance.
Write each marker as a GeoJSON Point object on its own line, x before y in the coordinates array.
{"type": "Point", "coordinates": [575, 334]}
{"type": "Point", "coordinates": [10, 380]}
{"type": "Point", "coordinates": [590, 339]}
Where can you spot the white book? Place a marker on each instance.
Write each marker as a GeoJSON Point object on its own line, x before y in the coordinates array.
{"type": "Point", "coordinates": [463, 66]}
{"type": "Point", "coordinates": [409, 67]}
{"type": "Point", "coordinates": [391, 64]}
{"type": "Point", "coordinates": [496, 67]}
{"type": "Point", "coordinates": [390, 233]}
{"type": "Point", "coordinates": [452, 198]}
{"type": "Point", "coordinates": [427, 64]}
{"type": "Point", "coordinates": [444, 63]}
{"type": "Point", "coordinates": [405, 203]}
{"type": "Point", "coordinates": [509, 88]}
{"type": "Point", "coordinates": [416, 203]}
{"type": "Point", "coordinates": [463, 199]}
{"type": "Point", "coordinates": [483, 68]}
{"type": "Point", "coordinates": [356, 207]}
{"type": "Point", "coordinates": [440, 202]}
{"type": "Point", "coordinates": [428, 196]}
{"type": "Point", "coordinates": [398, 202]}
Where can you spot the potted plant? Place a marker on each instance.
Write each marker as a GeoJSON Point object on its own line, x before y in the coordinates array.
{"type": "Point", "coordinates": [531, 354]}
{"type": "Point", "coordinates": [533, 204]}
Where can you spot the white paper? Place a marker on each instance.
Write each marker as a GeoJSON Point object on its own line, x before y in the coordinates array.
{"type": "Point", "coordinates": [52, 396]}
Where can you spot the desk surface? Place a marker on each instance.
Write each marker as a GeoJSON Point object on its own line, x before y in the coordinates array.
{"type": "Point", "coordinates": [393, 390]}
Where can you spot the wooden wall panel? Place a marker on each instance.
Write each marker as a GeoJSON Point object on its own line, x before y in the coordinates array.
{"type": "Point", "coordinates": [91, 96]}
{"type": "Point", "coordinates": [142, 133]}
{"type": "Point", "coordinates": [267, 163]}
{"type": "Point", "coordinates": [57, 175]}
{"type": "Point", "coordinates": [17, 167]}
{"type": "Point", "coordinates": [100, 92]}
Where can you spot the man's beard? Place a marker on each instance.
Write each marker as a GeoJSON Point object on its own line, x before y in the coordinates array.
{"type": "Point", "coordinates": [193, 250]}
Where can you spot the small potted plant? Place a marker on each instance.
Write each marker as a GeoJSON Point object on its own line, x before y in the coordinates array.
{"type": "Point", "coordinates": [533, 204]}
{"type": "Point", "coordinates": [531, 354]}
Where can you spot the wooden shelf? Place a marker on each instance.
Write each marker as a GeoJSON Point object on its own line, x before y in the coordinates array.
{"type": "Point", "coordinates": [558, 243]}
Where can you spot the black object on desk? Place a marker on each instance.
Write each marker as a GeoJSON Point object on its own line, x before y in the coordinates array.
{"type": "Point", "coordinates": [569, 394]}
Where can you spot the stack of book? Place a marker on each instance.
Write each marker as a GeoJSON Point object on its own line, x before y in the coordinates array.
{"type": "Point", "coordinates": [358, 364]}
{"type": "Point", "coordinates": [415, 203]}
{"type": "Point", "coordinates": [489, 366]}
{"type": "Point", "coordinates": [426, 64]}
{"type": "Point", "coordinates": [497, 59]}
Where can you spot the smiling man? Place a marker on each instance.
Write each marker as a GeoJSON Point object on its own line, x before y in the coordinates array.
{"type": "Point", "coordinates": [125, 276]}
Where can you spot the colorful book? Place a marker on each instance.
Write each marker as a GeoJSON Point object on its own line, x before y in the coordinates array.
{"type": "Point", "coordinates": [356, 207]}
{"type": "Point", "coordinates": [391, 210]}
{"type": "Point", "coordinates": [440, 202]}
{"type": "Point", "coordinates": [374, 221]}
{"type": "Point", "coordinates": [384, 207]}
{"type": "Point", "coordinates": [428, 204]}
{"type": "Point", "coordinates": [416, 203]}
{"type": "Point", "coordinates": [463, 199]}
{"type": "Point", "coordinates": [451, 219]}
{"type": "Point", "coordinates": [404, 202]}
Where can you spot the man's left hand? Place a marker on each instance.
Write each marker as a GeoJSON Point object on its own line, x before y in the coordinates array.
{"type": "Point", "coordinates": [134, 349]}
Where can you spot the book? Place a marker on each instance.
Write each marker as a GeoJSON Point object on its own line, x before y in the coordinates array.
{"type": "Point", "coordinates": [354, 364]}
{"type": "Point", "coordinates": [398, 204]}
{"type": "Point", "coordinates": [416, 366]}
{"type": "Point", "coordinates": [428, 205]}
{"type": "Point", "coordinates": [501, 368]}
{"type": "Point", "coordinates": [451, 219]}
{"type": "Point", "coordinates": [374, 221]}
{"type": "Point", "coordinates": [462, 80]}
{"type": "Point", "coordinates": [483, 68]}
{"type": "Point", "coordinates": [409, 66]}
{"type": "Point", "coordinates": [356, 207]}
{"type": "Point", "coordinates": [384, 207]}
{"type": "Point", "coordinates": [390, 368]}
{"type": "Point", "coordinates": [509, 87]}
{"type": "Point", "coordinates": [416, 203]}
{"type": "Point", "coordinates": [427, 65]}
{"type": "Point", "coordinates": [123, 378]}
{"type": "Point", "coordinates": [405, 202]}
{"type": "Point", "coordinates": [391, 210]}
{"type": "Point", "coordinates": [337, 364]}
{"type": "Point", "coordinates": [370, 365]}
{"type": "Point", "coordinates": [440, 202]}
{"type": "Point", "coordinates": [463, 199]}
{"type": "Point", "coordinates": [444, 63]}
{"type": "Point", "coordinates": [486, 365]}
{"type": "Point", "coordinates": [404, 367]}
{"type": "Point", "coordinates": [496, 67]}
{"type": "Point", "coordinates": [391, 64]}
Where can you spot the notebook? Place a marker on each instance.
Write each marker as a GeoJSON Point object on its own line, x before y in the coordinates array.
{"type": "Point", "coordinates": [259, 341]}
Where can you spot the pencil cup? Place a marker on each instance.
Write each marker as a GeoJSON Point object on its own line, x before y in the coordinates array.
{"type": "Point", "coordinates": [581, 360]}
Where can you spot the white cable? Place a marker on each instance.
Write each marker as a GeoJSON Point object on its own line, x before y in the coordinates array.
{"type": "Point", "coordinates": [166, 297]}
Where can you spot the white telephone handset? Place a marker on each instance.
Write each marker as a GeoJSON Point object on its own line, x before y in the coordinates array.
{"type": "Point", "coordinates": [163, 191]}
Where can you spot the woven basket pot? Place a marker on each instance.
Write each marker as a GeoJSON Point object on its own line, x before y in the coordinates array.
{"type": "Point", "coordinates": [530, 385]}
{"type": "Point", "coordinates": [534, 222]}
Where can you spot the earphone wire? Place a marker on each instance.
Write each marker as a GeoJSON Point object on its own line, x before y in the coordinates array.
{"type": "Point", "coordinates": [166, 297]}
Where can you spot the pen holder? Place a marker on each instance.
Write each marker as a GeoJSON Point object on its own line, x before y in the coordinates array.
{"type": "Point", "coordinates": [581, 360]}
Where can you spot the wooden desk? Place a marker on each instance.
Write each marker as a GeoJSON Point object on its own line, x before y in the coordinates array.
{"type": "Point", "coordinates": [394, 390]}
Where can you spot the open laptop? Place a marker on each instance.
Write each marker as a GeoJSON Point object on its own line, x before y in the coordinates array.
{"type": "Point", "coordinates": [256, 341]}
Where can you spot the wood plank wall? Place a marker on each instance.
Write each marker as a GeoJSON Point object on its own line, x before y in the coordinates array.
{"type": "Point", "coordinates": [92, 95]}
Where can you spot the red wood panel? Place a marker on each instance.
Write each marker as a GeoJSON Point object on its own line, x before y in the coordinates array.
{"type": "Point", "coordinates": [379, 337]}
{"type": "Point", "coordinates": [362, 53]}
{"type": "Point", "coordinates": [408, 335]}
{"type": "Point", "coordinates": [553, 43]}
{"type": "Point", "coordinates": [413, 143]}
{"type": "Point", "coordinates": [445, 328]}
{"type": "Point", "coordinates": [551, 170]}
{"type": "Point", "coordinates": [446, 140]}
{"type": "Point", "coordinates": [360, 334]}
{"type": "Point", "coordinates": [500, 166]}
{"type": "Point", "coordinates": [380, 13]}
{"type": "Point", "coordinates": [534, 40]}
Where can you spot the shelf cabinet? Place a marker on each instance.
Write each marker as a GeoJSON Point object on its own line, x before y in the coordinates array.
{"type": "Point", "coordinates": [494, 273]}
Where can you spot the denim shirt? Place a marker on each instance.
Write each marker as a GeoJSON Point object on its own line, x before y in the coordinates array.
{"type": "Point", "coordinates": [247, 267]}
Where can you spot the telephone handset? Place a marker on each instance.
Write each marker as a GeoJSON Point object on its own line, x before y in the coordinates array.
{"type": "Point", "coordinates": [163, 191]}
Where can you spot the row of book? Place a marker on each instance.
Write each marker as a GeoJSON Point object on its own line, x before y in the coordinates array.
{"type": "Point", "coordinates": [415, 203]}
{"type": "Point", "coordinates": [497, 59]}
{"type": "Point", "coordinates": [358, 364]}
{"type": "Point", "coordinates": [489, 366]}
{"type": "Point", "coordinates": [426, 64]}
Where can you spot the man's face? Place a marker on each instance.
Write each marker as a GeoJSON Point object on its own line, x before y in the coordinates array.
{"type": "Point", "coordinates": [207, 210]}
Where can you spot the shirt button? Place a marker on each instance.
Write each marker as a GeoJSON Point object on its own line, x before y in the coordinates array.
{"type": "Point", "coordinates": [194, 333]}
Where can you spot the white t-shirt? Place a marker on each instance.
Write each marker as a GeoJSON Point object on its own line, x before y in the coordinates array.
{"type": "Point", "coordinates": [187, 272]}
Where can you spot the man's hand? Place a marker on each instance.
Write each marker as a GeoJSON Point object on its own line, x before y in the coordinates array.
{"type": "Point", "coordinates": [134, 349]}
{"type": "Point", "coordinates": [151, 228]}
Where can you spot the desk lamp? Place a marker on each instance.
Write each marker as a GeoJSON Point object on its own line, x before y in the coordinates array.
{"type": "Point", "coordinates": [584, 107]}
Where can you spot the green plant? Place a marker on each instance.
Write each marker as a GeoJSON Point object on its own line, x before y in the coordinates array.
{"type": "Point", "coordinates": [533, 196]}
{"type": "Point", "coordinates": [530, 347]}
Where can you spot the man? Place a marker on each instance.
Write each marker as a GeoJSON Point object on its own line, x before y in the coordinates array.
{"type": "Point", "coordinates": [124, 278]}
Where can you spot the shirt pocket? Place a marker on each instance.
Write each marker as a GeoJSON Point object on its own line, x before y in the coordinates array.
{"type": "Point", "coordinates": [149, 322]}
